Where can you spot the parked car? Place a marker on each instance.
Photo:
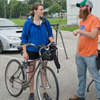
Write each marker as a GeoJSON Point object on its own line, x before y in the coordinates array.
{"type": "Point", "coordinates": [10, 35]}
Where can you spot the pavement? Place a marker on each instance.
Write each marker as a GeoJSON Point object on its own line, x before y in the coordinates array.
{"type": "Point", "coordinates": [67, 77]}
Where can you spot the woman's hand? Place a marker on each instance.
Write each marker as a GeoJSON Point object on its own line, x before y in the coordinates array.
{"type": "Point", "coordinates": [26, 57]}
{"type": "Point", "coordinates": [55, 44]}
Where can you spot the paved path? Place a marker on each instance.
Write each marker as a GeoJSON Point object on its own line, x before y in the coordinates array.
{"type": "Point", "coordinates": [67, 77]}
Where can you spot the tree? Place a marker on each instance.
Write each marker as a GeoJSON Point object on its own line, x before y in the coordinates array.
{"type": "Point", "coordinates": [55, 8]}
{"type": "Point", "coordinates": [2, 8]}
{"type": "Point", "coordinates": [55, 1]}
{"type": "Point", "coordinates": [11, 5]}
{"type": "Point", "coordinates": [26, 0]}
{"type": "Point", "coordinates": [47, 4]}
{"type": "Point", "coordinates": [2, 13]}
{"type": "Point", "coordinates": [63, 3]}
{"type": "Point", "coordinates": [33, 1]}
{"type": "Point", "coordinates": [7, 11]}
{"type": "Point", "coordinates": [22, 8]}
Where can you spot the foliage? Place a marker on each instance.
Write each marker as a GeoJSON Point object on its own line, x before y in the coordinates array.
{"type": "Point", "coordinates": [63, 4]}
{"type": "Point", "coordinates": [47, 4]}
{"type": "Point", "coordinates": [55, 1]}
{"type": "Point", "coordinates": [1, 8]}
{"type": "Point", "coordinates": [7, 11]}
{"type": "Point", "coordinates": [55, 8]}
{"type": "Point", "coordinates": [12, 4]}
{"type": "Point", "coordinates": [15, 7]}
{"type": "Point", "coordinates": [59, 2]}
{"type": "Point", "coordinates": [31, 2]}
{"type": "Point", "coordinates": [2, 13]}
{"type": "Point", "coordinates": [20, 8]}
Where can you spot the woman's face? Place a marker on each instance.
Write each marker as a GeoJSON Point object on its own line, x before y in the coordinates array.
{"type": "Point", "coordinates": [39, 12]}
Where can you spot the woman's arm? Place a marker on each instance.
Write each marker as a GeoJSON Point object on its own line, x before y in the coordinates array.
{"type": "Point", "coordinates": [24, 39]}
{"type": "Point", "coordinates": [26, 57]}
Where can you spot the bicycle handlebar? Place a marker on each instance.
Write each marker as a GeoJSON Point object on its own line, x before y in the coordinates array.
{"type": "Point", "coordinates": [39, 46]}
{"type": "Point", "coordinates": [28, 44]}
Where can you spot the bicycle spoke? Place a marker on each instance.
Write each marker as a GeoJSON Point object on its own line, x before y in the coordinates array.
{"type": "Point", "coordinates": [50, 84]}
{"type": "Point", "coordinates": [16, 88]}
{"type": "Point", "coordinates": [14, 77]}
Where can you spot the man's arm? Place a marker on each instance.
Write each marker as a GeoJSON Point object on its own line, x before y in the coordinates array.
{"type": "Point", "coordinates": [91, 34]}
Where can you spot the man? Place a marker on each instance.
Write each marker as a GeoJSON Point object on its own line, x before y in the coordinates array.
{"type": "Point", "coordinates": [86, 49]}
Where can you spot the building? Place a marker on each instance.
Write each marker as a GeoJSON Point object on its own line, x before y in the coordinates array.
{"type": "Point", "coordinates": [46, 13]}
{"type": "Point", "coordinates": [73, 11]}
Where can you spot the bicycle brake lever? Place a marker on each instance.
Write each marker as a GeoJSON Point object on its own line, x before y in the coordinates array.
{"type": "Point", "coordinates": [38, 47]}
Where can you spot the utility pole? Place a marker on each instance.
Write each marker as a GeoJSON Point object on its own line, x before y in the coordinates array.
{"type": "Point", "coordinates": [20, 15]}
{"type": "Point", "coordinates": [4, 9]}
{"type": "Point", "coordinates": [41, 1]}
{"type": "Point", "coordinates": [61, 9]}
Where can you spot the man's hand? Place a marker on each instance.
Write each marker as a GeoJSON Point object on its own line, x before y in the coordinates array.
{"type": "Point", "coordinates": [91, 34]}
{"type": "Point", "coordinates": [76, 32]}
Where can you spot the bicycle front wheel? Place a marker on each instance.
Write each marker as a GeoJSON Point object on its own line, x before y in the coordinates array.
{"type": "Point", "coordinates": [14, 76]}
{"type": "Point", "coordinates": [47, 82]}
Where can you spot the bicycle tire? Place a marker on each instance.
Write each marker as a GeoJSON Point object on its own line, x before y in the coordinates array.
{"type": "Point", "coordinates": [52, 86]}
{"type": "Point", "coordinates": [14, 74]}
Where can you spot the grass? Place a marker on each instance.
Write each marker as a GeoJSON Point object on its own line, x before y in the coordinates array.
{"type": "Point", "coordinates": [52, 21]}
{"type": "Point", "coordinates": [69, 28]}
{"type": "Point", "coordinates": [18, 21]}
{"type": "Point", "coordinates": [58, 20]}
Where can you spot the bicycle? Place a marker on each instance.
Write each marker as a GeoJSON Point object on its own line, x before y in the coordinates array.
{"type": "Point", "coordinates": [98, 67]}
{"type": "Point", "coordinates": [16, 76]}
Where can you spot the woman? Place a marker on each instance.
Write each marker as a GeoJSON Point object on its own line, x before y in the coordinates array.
{"type": "Point", "coordinates": [34, 31]}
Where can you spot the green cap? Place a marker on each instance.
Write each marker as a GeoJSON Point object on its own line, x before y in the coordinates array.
{"type": "Point", "coordinates": [82, 3]}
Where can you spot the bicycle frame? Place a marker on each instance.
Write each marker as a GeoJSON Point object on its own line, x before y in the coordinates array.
{"type": "Point", "coordinates": [26, 83]}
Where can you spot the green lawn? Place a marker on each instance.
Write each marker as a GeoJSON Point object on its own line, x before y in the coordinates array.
{"type": "Point", "coordinates": [69, 28]}
{"type": "Point", "coordinates": [52, 21]}
{"type": "Point", "coordinates": [19, 22]}
{"type": "Point", "coordinates": [58, 20]}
